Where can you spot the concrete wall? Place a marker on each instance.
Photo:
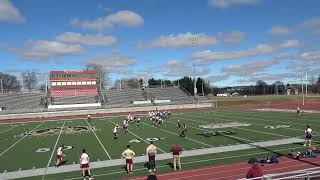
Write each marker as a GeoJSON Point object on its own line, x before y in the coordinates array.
{"type": "Point", "coordinates": [101, 111]}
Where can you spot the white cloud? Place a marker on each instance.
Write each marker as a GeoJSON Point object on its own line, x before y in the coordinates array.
{"type": "Point", "coordinates": [90, 40]}
{"type": "Point", "coordinates": [313, 24]}
{"type": "Point", "coordinates": [208, 57]}
{"type": "Point", "coordinates": [113, 61]}
{"type": "Point", "coordinates": [217, 78]}
{"type": "Point", "coordinates": [175, 68]}
{"type": "Point", "coordinates": [249, 69]}
{"type": "Point", "coordinates": [229, 3]}
{"type": "Point", "coordinates": [280, 31]}
{"type": "Point", "coordinates": [9, 13]}
{"type": "Point", "coordinates": [44, 50]}
{"type": "Point", "coordinates": [232, 38]}
{"type": "Point", "coordinates": [124, 18]}
{"type": "Point", "coordinates": [182, 40]}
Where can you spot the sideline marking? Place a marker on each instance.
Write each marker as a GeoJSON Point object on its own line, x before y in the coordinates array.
{"type": "Point", "coordinates": [99, 140]}
{"type": "Point", "coordinates": [139, 137]}
{"type": "Point", "coordinates": [20, 140]}
{"type": "Point", "coordinates": [54, 149]}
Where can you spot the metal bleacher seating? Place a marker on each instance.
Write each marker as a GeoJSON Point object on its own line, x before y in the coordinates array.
{"type": "Point", "coordinates": [20, 101]}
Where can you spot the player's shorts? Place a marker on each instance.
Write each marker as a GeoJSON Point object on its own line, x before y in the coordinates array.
{"type": "Point", "coordinates": [308, 136]}
{"type": "Point", "coordinates": [129, 161]}
{"type": "Point", "coordinates": [59, 157]}
{"type": "Point", "coordinates": [82, 166]}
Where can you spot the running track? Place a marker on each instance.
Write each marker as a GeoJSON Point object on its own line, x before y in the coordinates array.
{"type": "Point", "coordinates": [237, 170]}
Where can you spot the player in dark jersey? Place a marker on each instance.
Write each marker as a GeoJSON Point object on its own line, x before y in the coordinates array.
{"type": "Point", "coordinates": [184, 130]}
{"type": "Point", "coordinates": [308, 136]}
{"type": "Point", "coordinates": [298, 111]}
{"type": "Point", "coordinates": [178, 124]}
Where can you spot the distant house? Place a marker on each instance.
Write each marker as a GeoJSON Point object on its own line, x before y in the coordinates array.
{"type": "Point", "coordinates": [223, 94]}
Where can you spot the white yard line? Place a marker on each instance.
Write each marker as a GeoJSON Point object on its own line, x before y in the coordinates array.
{"type": "Point", "coordinates": [53, 151]}
{"type": "Point", "coordinates": [19, 140]}
{"type": "Point", "coordinates": [140, 138]}
{"type": "Point", "coordinates": [99, 141]}
{"type": "Point", "coordinates": [178, 135]}
{"type": "Point", "coordinates": [7, 129]}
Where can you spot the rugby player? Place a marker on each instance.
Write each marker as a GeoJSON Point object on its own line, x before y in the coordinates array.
{"type": "Point", "coordinates": [59, 156]}
{"type": "Point", "coordinates": [308, 136]}
{"type": "Point", "coordinates": [184, 130]}
{"type": "Point", "coordinates": [84, 165]}
{"type": "Point", "coordinates": [115, 131]}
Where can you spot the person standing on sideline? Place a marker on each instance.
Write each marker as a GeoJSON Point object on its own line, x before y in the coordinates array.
{"type": "Point", "coordinates": [128, 154]}
{"type": "Point", "coordinates": [298, 111]}
{"type": "Point", "coordinates": [176, 152]}
{"type": "Point", "coordinates": [151, 153]}
{"type": "Point", "coordinates": [308, 136]}
{"type": "Point", "coordinates": [84, 165]}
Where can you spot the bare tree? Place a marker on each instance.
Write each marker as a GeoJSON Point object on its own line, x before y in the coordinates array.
{"type": "Point", "coordinates": [29, 80]}
{"type": "Point", "coordinates": [102, 75]}
{"type": "Point", "coordinates": [9, 83]}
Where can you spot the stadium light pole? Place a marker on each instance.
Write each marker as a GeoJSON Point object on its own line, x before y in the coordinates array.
{"type": "Point", "coordinates": [1, 86]}
{"type": "Point", "coordinates": [194, 42]}
{"type": "Point", "coordinates": [302, 91]}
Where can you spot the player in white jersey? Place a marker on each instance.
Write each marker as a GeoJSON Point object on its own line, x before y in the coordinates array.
{"type": "Point", "coordinates": [84, 165]}
{"type": "Point", "coordinates": [115, 131]}
{"type": "Point", "coordinates": [59, 156]}
{"type": "Point", "coordinates": [308, 136]}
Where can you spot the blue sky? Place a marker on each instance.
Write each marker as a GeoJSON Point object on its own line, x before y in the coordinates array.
{"type": "Point", "coordinates": [233, 42]}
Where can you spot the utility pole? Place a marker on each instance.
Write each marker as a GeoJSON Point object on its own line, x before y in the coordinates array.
{"type": "Point", "coordinates": [1, 86]}
{"type": "Point", "coordinates": [194, 42]}
{"type": "Point", "coordinates": [302, 91]}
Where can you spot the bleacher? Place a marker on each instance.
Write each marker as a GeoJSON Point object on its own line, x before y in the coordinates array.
{"type": "Point", "coordinates": [74, 100]}
{"type": "Point", "coordinates": [20, 101]}
{"type": "Point", "coordinates": [175, 94]}
{"type": "Point", "coordinates": [123, 97]}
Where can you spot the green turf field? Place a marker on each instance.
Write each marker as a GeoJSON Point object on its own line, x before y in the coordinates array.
{"type": "Point", "coordinates": [19, 151]}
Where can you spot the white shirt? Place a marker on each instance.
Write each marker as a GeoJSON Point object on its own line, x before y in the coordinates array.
{"type": "Point", "coordinates": [115, 129]}
{"type": "Point", "coordinates": [84, 159]}
{"type": "Point", "coordinates": [309, 131]}
{"type": "Point", "coordinates": [59, 151]}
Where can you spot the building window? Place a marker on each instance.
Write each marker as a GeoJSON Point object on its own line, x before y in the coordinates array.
{"type": "Point", "coordinates": [68, 83]}
{"type": "Point", "coordinates": [53, 83]}
{"type": "Point", "coordinates": [74, 83]}
{"type": "Point", "coordinates": [63, 83]}
{"type": "Point", "coordinates": [93, 82]}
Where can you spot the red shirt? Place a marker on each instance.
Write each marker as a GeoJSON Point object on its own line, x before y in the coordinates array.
{"type": "Point", "coordinates": [176, 150]}
{"type": "Point", "coordinates": [255, 171]}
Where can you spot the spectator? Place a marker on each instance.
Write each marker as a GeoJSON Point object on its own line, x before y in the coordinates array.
{"type": "Point", "coordinates": [255, 170]}
{"type": "Point", "coordinates": [151, 153]}
{"type": "Point", "coordinates": [128, 154]}
{"type": "Point", "coordinates": [176, 152]}
{"type": "Point", "coordinates": [152, 176]}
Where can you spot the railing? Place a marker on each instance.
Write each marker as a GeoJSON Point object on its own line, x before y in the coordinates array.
{"type": "Point", "coordinates": [305, 174]}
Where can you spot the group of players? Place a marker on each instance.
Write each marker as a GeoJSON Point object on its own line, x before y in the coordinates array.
{"type": "Point", "coordinates": [157, 117]}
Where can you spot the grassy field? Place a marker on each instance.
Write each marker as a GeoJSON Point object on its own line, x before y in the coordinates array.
{"type": "Point", "coordinates": [19, 151]}
{"type": "Point", "coordinates": [254, 100]}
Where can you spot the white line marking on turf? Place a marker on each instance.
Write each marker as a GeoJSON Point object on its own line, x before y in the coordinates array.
{"type": "Point", "coordinates": [7, 129]}
{"type": "Point", "coordinates": [140, 138]}
{"type": "Point", "coordinates": [99, 141]}
{"type": "Point", "coordinates": [20, 140]}
{"type": "Point", "coordinates": [54, 150]}
{"type": "Point", "coordinates": [178, 135]}
{"type": "Point", "coordinates": [189, 162]}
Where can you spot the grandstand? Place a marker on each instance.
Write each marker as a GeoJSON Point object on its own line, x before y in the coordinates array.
{"type": "Point", "coordinates": [21, 101]}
